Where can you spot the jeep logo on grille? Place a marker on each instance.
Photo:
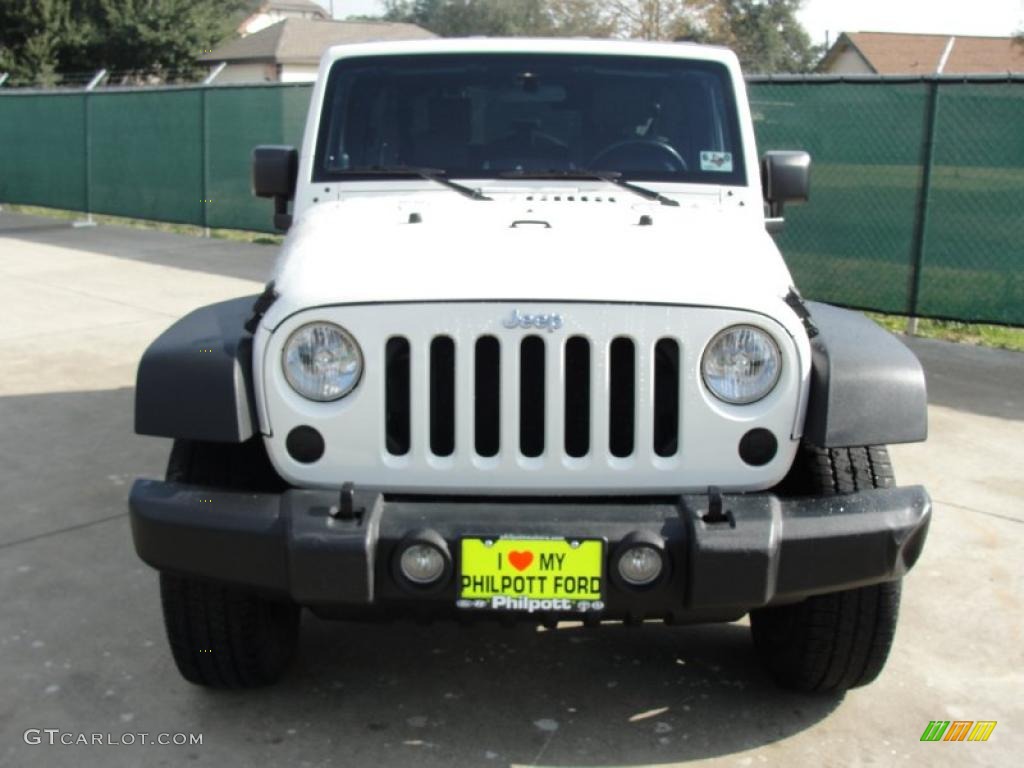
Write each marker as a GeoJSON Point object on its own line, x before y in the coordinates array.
{"type": "Point", "coordinates": [516, 320]}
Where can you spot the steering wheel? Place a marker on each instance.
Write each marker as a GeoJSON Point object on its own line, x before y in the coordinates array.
{"type": "Point", "coordinates": [672, 159]}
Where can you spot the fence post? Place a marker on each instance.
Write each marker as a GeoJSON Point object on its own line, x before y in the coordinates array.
{"type": "Point", "coordinates": [204, 153]}
{"type": "Point", "coordinates": [921, 215]}
{"type": "Point", "coordinates": [88, 221]}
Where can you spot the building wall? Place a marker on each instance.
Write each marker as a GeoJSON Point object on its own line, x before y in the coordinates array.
{"type": "Point", "coordinates": [298, 73]}
{"type": "Point", "coordinates": [849, 62]}
{"type": "Point", "coordinates": [250, 72]}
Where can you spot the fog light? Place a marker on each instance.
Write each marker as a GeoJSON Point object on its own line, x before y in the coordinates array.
{"type": "Point", "coordinates": [640, 565]}
{"type": "Point", "coordinates": [422, 564]}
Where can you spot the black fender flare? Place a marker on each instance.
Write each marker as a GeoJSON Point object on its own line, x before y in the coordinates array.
{"type": "Point", "coordinates": [867, 387]}
{"type": "Point", "coordinates": [195, 381]}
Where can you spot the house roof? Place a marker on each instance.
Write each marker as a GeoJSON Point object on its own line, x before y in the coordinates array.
{"type": "Point", "coordinates": [892, 53]}
{"type": "Point", "coordinates": [302, 41]}
{"type": "Point", "coordinates": [292, 6]}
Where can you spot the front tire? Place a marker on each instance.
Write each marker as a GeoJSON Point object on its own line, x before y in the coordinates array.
{"type": "Point", "coordinates": [829, 643]}
{"type": "Point", "coordinates": [223, 636]}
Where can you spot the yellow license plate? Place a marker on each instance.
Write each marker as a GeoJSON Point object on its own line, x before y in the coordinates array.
{"type": "Point", "coordinates": [531, 574]}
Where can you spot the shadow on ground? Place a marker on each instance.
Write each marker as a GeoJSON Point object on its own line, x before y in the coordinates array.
{"type": "Point", "coordinates": [228, 258]}
{"type": "Point", "coordinates": [471, 695]}
{"type": "Point", "coordinates": [83, 649]}
{"type": "Point", "coordinates": [972, 379]}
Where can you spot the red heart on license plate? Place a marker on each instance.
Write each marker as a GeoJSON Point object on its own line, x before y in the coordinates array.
{"type": "Point", "coordinates": [520, 560]}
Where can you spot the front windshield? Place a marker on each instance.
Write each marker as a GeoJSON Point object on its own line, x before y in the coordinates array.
{"type": "Point", "coordinates": [487, 115]}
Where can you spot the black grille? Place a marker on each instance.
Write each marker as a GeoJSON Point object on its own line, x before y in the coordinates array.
{"type": "Point", "coordinates": [531, 396]}
{"type": "Point", "coordinates": [442, 396]}
{"type": "Point", "coordinates": [577, 397]}
{"type": "Point", "coordinates": [622, 397]}
{"type": "Point", "coordinates": [491, 373]}
{"type": "Point", "coordinates": [486, 405]}
{"type": "Point", "coordinates": [666, 397]}
{"type": "Point", "coordinates": [396, 395]}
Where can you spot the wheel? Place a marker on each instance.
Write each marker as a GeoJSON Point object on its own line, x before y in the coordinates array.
{"type": "Point", "coordinates": [831, 642]}
{"type": "Point", "coordinates": [223, 636]}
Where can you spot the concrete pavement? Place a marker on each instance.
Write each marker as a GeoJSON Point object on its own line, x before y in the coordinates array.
{"type": "Point", "coordinates": [81, 639]}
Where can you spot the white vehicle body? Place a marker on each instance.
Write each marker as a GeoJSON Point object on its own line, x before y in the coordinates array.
{"type": "Point", "coordinates": [411, 258]}
{"type": "Point", "coordinates": [530, 351]}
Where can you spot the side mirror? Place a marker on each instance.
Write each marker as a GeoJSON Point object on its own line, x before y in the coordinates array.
{"type": "Point", "coordinates": [785, 178]}
{"type": "Point", "coordinates": [275, 170]}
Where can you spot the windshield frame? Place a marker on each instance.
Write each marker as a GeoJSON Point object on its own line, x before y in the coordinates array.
{"type": "Point", "coordinates": [341, 68]}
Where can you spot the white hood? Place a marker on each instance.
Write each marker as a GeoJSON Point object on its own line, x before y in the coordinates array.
{"type": "Point", "coordinates": [530, 249]}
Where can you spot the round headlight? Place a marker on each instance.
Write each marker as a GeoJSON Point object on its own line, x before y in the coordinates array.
{"type": "Point", "coordinates": [322, 362]}
{"type": "Point", "coordinates": [741, 364]}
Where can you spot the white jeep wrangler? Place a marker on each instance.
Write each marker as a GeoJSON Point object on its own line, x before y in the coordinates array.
{"type": "Point", "coordinates": [530, 352]}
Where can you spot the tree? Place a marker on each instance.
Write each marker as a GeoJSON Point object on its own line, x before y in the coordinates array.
{"type": "Point", "coordinates": [42, 41]}
{"type": "Point", "coordinates": [765, 34]}
{"type": "Point", "coordinates": [31, 36]}
{"type": "Point", "coordinates": [460, 18]}
{"type": "Point", "coordinates": [660, 19]}
{"type": "Point", "coordinates": [581, 18]}
{"type": "Point", "coordinates": [161, 37]}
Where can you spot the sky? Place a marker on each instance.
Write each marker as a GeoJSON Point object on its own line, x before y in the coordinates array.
{"type": "Point", "coordinates": [964, 17]}
{"type": "Point", "coordinates": [999, 18]}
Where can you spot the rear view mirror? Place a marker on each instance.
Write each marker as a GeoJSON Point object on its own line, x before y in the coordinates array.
{"type": "Point", "coordinates": [275, 170]}
{"type": "Point", "coordinates": [785, 178]}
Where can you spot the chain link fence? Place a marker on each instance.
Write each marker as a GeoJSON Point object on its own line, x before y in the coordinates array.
{"type": "Point", "coordinates": [917, 203]}
{"type": "Point", "coordinates": [168, 154]}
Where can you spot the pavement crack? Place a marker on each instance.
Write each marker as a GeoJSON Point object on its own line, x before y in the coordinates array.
{"type": "Point", "coordinates": [47, 534]}
{"type": "Point", "coordinates": [90, 295]}
{"type": "Point", "coordinates": [979, 511]}
{"type": "Point", "coordinates": [64, 333]}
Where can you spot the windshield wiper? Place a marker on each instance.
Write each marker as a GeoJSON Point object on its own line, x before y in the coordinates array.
{"type": "Point", "coordinates": [611, 177]}
{"type": "Point", "coordinates": [405, 171]}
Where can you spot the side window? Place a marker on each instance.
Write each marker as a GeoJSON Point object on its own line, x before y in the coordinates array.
{"type": "Point", "coordinates": [332, 129]}
{"type": "Point", "coordinates": [720, 128]}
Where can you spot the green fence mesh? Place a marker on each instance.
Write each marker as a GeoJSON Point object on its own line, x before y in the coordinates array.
{"type": "Point", "coordinates": [871, 219]}
{"type": "Point", "coordinates": [851, 244]}
{"type": "Point", "coordinates": [237, 119]}
{"type": "Point", "coordinates": [42, 150]}
{"type": "Point", "coordinates": [973, 250]}
{"type": "Point", "coordinates": [168, 154]}
{"type": "Point", "coordinates": [875, 235]}
{"type": "Point", "coordinates": [146, 154]}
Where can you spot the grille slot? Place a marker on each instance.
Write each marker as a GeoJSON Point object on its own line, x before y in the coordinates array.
{"type": "Point", "coordinates": [531, 396]}
{"type": "Point", "coordinates": [442, 396]}
{"type": "Point", "coordinates": [487, 394]}
{"type": "Point", "coordinates": [666, 397]}
{"type": "Point", "coordinates": [621, 397]}
{"type": "Point", "coordinates": [397, 410]}
{"type": "Point", "coordinates": [577, 397]}
{"type": "Point", "coordinates": [500, 397]}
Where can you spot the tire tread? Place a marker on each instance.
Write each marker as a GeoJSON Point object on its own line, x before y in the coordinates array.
{"type": "Point", "coordinates": [222, 636]}
{"type": "Point", "coordinates": [840, 640]}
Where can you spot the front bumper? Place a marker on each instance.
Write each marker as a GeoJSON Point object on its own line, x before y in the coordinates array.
{"type": "Point", "coordinates": [761, 549]}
